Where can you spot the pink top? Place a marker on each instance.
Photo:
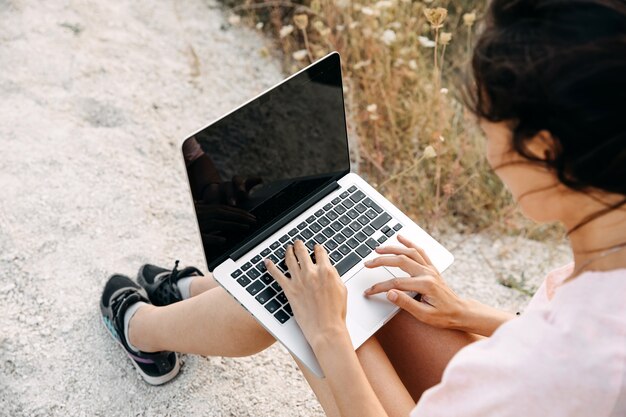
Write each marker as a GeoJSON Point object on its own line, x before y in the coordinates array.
{"type": "Point", "coordinates": [565, 356]}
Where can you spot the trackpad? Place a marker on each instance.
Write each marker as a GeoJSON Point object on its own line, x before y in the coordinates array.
{"type": "Point", "coordinates": [369, 311]}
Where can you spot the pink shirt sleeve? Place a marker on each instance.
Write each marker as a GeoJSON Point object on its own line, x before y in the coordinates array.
{"type": "Point", "coordinates": [567, 358]}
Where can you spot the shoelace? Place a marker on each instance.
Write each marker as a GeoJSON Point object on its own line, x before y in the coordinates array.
{"type": "Point", "coordinates": [125, 297]}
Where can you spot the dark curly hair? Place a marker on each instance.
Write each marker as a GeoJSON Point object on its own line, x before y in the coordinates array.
{"type": "Point", "coordinates": [560, 66]}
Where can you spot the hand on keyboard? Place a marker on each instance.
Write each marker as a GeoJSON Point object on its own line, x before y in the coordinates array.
{"type": "Point", "coordinates": [315, 291]}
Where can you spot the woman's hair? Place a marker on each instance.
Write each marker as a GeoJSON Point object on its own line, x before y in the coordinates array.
{"type": "Point", "coordinates": [560, 66]}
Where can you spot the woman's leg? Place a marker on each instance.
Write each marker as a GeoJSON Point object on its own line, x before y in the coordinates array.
{"type": "Point", "coordinates": [419, 352]}
{"type": "Point", "coordinates": [210, 323]}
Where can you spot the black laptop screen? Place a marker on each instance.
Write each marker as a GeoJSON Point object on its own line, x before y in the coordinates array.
{"type": "Point", "coordinates": [251, 167]}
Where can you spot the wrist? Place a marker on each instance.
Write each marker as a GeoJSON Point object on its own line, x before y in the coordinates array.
{"type": "Point", "coordinates": [482, 319]}
{"type": "Point", "coordinates": [330, 337]}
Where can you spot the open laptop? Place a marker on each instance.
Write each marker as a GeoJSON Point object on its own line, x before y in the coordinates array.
{"type": "Point", "coordinates": [277, 169]}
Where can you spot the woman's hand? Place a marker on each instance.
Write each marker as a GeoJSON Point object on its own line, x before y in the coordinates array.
{"type": "Point", "coordinates": [436, 304]}
{"type": "Point", "coordinates": [315, 292]}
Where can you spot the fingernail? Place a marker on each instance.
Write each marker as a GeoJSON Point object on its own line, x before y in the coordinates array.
{"type": "Point", "coordinates": [368, 263]}
{"type": "Point", "coordinates": [392, 296]}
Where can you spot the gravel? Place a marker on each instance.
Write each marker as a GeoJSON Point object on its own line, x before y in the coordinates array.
{"type": "Point", "coordinates": [96, 96]}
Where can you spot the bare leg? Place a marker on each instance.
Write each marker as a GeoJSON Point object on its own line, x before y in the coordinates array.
{"type": "Point", "coordinates": [419, 352]}
{"type": "Point", "coordinates": [210, 323]}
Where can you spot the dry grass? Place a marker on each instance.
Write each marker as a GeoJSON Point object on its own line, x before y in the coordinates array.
{"type": "Point", "coordinates": [403, 67]}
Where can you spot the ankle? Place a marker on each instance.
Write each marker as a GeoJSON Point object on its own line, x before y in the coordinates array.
{"type": "Point", "coordinates": [138, 330]}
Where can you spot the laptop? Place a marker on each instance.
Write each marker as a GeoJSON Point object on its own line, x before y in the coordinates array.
{"type": "Point", "coordinates": [277, 169]}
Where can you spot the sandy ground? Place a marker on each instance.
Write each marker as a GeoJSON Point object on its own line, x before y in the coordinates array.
{"type": "Point", "coordinates": [95, 97]}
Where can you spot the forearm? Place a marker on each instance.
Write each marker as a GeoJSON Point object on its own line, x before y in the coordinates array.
{"type": "Point", "coordinates": [481, 319]}
{"type": "Point", "coordinates": [351, 390]}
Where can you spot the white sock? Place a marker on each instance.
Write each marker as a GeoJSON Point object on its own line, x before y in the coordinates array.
{"type": "Point", "coordinates": [130, 312]}
{"type": "Point", "coordinates": [184, 286]}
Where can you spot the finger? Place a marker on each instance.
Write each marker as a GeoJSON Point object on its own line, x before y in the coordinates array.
{"type": "Point", "coordinates": [401, 250]}
{"type": "Point", "coordinates": [321, 256]}
{"type": "Point", "coordinates": [302, 254]}
{"type": "Point", "coordinates": [291, 261]}
{"type": "Point", "coordinates": [410, 244]}
{"type": "Point", "coordinates": [276, 274]}
{"type": "Point", "coordinates": [422, 285]}
{"type": "Point", "coordinates": [413, 307]}
{"type": "Point", "coordinates": [403, 262]}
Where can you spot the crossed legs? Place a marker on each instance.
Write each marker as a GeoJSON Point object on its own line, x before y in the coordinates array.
{"type": "Point", "coordinates": [405, 357]}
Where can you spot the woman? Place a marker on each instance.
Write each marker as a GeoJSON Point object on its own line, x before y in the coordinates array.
{"type": "Point", "coordinates": [549, 93]}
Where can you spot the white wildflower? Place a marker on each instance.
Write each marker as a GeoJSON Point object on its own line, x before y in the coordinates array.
{"type": "Point", "coordinates": [259, 25]}
{"type": "Point", "coordinates": [300, 55]}
{"type": "Point", "coordinates": [388, 37]}
{"type": "Point", "coordinates": [429, 152]}
{"type": "Point", "coordinates": [234, 19]}
{"type": "Point", "coordinates": [372, 108]}
{"type": "Point", "coordinates": [368, 11]}
{"type": "Point", "coordinates": [285, 31]}
{"type": "Point", "coordinates": [362, 64]}
{"type": "Point", "coordinates": [444, 90]}
{"type": "Point", "coordinates": [425, 42]}
{"type": "Point", "coordinates": [413, 64]}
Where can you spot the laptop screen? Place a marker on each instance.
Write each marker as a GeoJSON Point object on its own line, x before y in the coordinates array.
{"type": "Point", "coordinates": [251, 167]}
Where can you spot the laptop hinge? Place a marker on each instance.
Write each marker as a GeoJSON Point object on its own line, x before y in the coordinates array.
{"type": "Point", "coordinates": [281, 222]}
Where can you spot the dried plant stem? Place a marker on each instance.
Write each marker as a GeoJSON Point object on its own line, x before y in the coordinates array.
{"type": "Point", "coordinates": [306, 45]}
{"type": "Point", "coordinates": [273, 4]}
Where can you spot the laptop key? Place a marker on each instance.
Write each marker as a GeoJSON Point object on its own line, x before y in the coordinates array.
{"type": "Point", "coordinates": [355, 225]}
{"type": "Point", "coordinates": [331, 244]}
{"type": "Point", "coordinates": [273, 258]}
{"type": "Point", "coordinates": [315, 227]}
{"type": "Point", "coordinates": [319, 213]}
{"type": "Point", "coordinates": [371, 243]}
{"type": "Point", "coordinates": [368, 230]}
{"type": "Point", "coordinates": [323, 221]}
{"type": "Point", "coordinates": [265, 295]}
{"type": "Point", "coordinates": [280, 252]}
{"type": "Point", "coordinates": [246, 266]}
{"type": "Point", "coordinates": [293, 232]}
{"type": "Point", "coordinates": [243, 281]}
{"type": "Point", "coordinates": [282, 298]}
{"type": "Point", "coordinates": [360, 208]}
{"type": "Point", "coordinates": [267, 279]}
{"type": "Point", "coordinates": [344, 219]}
{"type": "Point", "coordinates": [340, 209]}
{"type": "Point", "coordinates": [281, 316]}
{"type": "Point", "coordinates": [358, 196]}
{"type": "Point", "coordinates": [352, 214]}
{"type": "Point", "coordinates": [347, 232]}
{"type": "Point", "coordinates": [253, 273]}
{"type": "Point", "coordinates": [282, 265]}
{"type": "Point", "coordinates": [380, 221]}
{"type": "Point", "coordinates": [261, 267]}
{"type": "Point", "coordinates": [307, 234]}
{"type": "Point", "coordinates": [277, 286]}
{"type": "Point", "coordinates": [352, 242]}
{"type": "Point", "coordinates": [275, 245]}
{"type": "Point", "coordinates": [390, 232]}
{"type": "Point", "coordinates": [364, 219]}
{"type": "Point", "coordinates": [336, 200]}
{"type": "Point", "coordinates": [336, 256]}
{"type": "Point", "coordinates": [347, 263]}
{"type": "Point", "coordinates": [385, 229]}
{"type": "Point", "coordinates": [352, 189]}
{"type": "Point", "coordinates": [336, 226]}
{"type": "Point", "coordinates": [369, 203]}
{"type": "Point", "coordinates": [340, 238]}
{"type": "Point", "coordinates": [302, 226]}
{"type": "Point", "coordinates": [332, 215]}
{"type": "Point", "coordinates": [236, 273]}
{"type": "Point", "coordinates": [310, 219]}
{"type": "Point", "coordinates": [348, 204]}
{"type": "Point", "coordinates": [255, 287]}
{"type": "Point", "coordinates": [284, 238]}
{"type": "Point", "coordinates": [256, 259]}
{"type": "Point", "coordinates": [363, 251]}
{"type": "Point", "coordinates": [266, 252]}
{"type": "Point", "coordinates": [397, 227]}
{"type": "Point", "coordinates": [327, 207]}
{"type": "Point", "coordinates": [272, 306]}
{"type": "Point", "coordinates": [328, 232]}
{"type": "Point", "coordinates": [310, 244]}
{"type": "Point", "coordinates": [344, 249]}
{"type": "Point", "coordinates": [371, 213]}
{"type": "Point", "coordinates": [360, 236]}
{"type": "Point", "coordinates": [382, 239]}
{"type": "Point", "coordinates": [345, 194]}
{"type": "Point", "coordinates": [320, 238]}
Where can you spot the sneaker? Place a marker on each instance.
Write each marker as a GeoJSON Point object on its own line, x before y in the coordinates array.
{"type": "Point", "coordinates": [120, 292]}
{"type": "Point", "coordinates": [162, 284]}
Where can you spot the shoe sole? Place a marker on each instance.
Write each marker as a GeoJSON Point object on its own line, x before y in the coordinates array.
{"type": "Point", "coordinates": [152, 380]}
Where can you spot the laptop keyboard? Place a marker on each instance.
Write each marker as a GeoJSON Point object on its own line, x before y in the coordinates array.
{"type": "Point", "coordinates": [345, 227]}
